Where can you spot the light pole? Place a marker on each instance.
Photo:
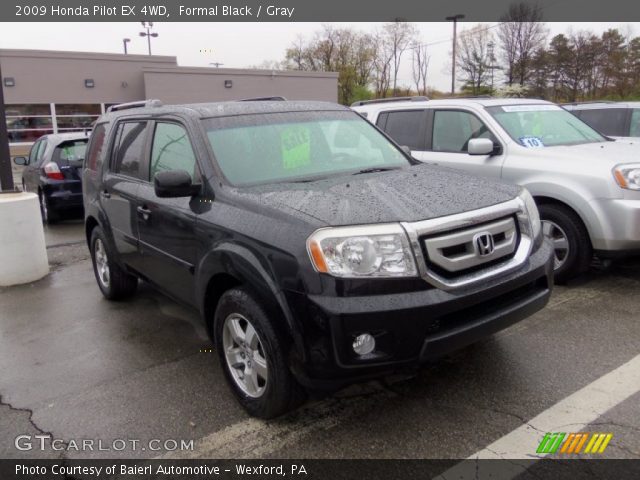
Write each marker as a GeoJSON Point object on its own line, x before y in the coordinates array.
{"type": "Point", "coordinates": [6, 175]}
{"type": "Point", "coordinates": [148, 26]}
{"type": "Point", "coordinates": [124, 44]}
{"type": "Point", "coordinates": [454, 19]}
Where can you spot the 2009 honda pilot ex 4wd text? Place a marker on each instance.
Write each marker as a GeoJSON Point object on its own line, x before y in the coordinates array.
{"type": "Point", "coordinates": [316, 250]}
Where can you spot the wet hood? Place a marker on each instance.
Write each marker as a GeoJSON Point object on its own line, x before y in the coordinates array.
{"type": "Point", "coordinates": [410, 194]}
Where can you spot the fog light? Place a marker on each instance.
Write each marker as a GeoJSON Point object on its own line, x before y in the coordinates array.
{"type": "Point", "coordinates": [364, 344]}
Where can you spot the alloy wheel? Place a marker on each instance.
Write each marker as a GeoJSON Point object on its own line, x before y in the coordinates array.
{"type": "Point", "coordinates": [102, 263]}
{"type": "Point", "coordinates": [560, 242]}
{"type": "Point", "coordinates": [244, 355]}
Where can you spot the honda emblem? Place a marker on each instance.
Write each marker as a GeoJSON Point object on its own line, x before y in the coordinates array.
{"type": "Point", "coordinates": [483, 243]}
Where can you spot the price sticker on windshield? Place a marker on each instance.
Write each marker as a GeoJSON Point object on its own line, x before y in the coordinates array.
{"type": "Point", "coordinates": [531, 142]}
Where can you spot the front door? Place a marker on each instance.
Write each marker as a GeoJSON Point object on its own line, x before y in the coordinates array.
{"type": "Point", "coordinates": [167, 225]}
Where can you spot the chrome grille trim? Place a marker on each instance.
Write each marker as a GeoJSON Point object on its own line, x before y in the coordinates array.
{"type": "Point", "coordinates": [470, 219]}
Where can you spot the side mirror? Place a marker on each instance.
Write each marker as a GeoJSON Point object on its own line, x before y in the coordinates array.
{"type": "Point", "coordinates": [480, 146]}
{"type": "Point", "coordinates": [174, 183]}
{"type": "Point", "coordinates": [20, 161]}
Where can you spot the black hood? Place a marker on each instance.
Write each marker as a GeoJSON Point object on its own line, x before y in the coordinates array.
{"type": "Point", "coordinates": [410, 194]}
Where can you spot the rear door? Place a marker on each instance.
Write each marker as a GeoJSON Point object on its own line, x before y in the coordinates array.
{"type": "Point", "coordinates": [448, 134]}
{"type": "Point", "coordinates": [167, 226]}
{"type": "Point", "coordinates": [118, 195]}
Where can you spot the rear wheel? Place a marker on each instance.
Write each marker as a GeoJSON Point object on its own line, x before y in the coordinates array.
{"type": "Point", "coordinates": [113, 281]}
{"type": "Point", "coordinates": [570, 239]}
{"type": "Point", "coordinates": [253, 355]}
{"type": "Point", "coordinates": [49, 215]}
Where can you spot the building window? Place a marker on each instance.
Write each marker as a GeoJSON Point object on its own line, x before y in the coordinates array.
{"type": "Point", "coordinates": [27, 122]}
{"type": "Point", "coordinates": [73, 117]}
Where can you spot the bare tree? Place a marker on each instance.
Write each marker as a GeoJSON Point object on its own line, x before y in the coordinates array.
{"type": "Point", "coordinates": [472, 57]}
{"type": "Point", "coordinates": [399, 36]}
{"type": "Point", "coordinates": [420, 67]}
{"type": "Point", "coordinates": [521, 33]}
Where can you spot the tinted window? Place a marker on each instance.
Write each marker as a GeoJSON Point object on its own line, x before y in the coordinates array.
{"type": "Point", "coordinates": [94, 159]}
{"type": "Point", "coordinates": [129, 148]}
{"type": "Point", "coordinates": [452, 130]}
{"type": "Point", "coordinates": [634, 131]}
{"type": "Point", "coordinates": [33, 154]}
{"type": "Point", "coordinates": [70, 153]}
{"type": "Point", "coordinates": [406, 128]}
{"type": "Point", "coordinates": [610, 121]}
{"type": "Point", "coordinates": [172, 150]}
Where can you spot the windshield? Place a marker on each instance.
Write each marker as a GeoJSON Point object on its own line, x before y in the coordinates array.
{"type": "Point", "coordinates": [536, 126]}
{"type": "Point", "coordinates": [298, 146]}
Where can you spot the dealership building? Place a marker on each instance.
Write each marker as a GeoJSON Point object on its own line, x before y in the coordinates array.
{"type": "Point", "coordinates": [55, 92]}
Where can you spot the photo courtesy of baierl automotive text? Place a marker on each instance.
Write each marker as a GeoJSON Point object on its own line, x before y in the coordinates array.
{"type": "Point", "coordinates": [336, 240]}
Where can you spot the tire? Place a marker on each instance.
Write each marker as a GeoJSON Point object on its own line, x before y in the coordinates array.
{"type": "Point", "coordinates": [566, 229]}
{"type": "Point", "coordinates": [113, 281]}
{"type": "Point", "coordinates": [49, 215]}
{"type": "Point", "coordinates": [274, 391]}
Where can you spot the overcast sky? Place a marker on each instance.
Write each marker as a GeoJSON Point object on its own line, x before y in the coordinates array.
{"type": "Point", "coordinates": [238, 44]}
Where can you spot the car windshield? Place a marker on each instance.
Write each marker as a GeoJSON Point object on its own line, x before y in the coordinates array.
{"type": "Point", "coordinates": [543, 125]}
{"type": "Point", "coordinates": [298, 146]}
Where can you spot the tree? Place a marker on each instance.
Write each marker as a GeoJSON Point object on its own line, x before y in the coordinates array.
{"type": "Point", "coordinates": [521, 34]}
{"type": "Point", "coordinates": [472, 58]}
{"type": "Point", "coordinates": [420, 67]}
{"type": "Point", "coordinates": [398, 36]}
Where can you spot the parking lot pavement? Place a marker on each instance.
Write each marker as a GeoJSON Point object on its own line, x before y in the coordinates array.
{"type": "Point", "coordinates": [80, 367]}
{"type": "Point", "coordinates": [67, 232]}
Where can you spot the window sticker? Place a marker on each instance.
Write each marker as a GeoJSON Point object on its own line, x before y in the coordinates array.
{"type": "Point", "coordinates": [530, 108]}
{"type": "Point", "coordinates": [296, 147]}
{"type": "Point", "coordinates": [531, 142]}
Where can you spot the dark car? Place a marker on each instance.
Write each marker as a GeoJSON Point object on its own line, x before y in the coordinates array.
{"type": "Point", "coordinates": [615, 119]}
{"type": "Point", "coordinates": [317, 252]}
{"type": "Point", "coordinates": [53, 171]}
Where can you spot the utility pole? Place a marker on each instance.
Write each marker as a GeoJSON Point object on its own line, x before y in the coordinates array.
{"type": "Point", "coordinates": [148, 26]}
{"type": "Point", "coordinates": [6, 175]}
{"type": "Point", "coordinates": [124, 43]}
{"type": "Point", "coordinates": [454, 19]}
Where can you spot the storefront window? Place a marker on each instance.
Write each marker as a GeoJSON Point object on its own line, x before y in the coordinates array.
{"type": "Point", "coordinates": [27, 122]}
{"type": "Point", "coordinates": [73, 117]}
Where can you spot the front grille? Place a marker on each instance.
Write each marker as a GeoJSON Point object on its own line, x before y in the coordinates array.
{"type": "Point", "coordinates": [470, 249]}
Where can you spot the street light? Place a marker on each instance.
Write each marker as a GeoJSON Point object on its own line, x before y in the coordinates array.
{"type": "Point", "coordinates": [124, 43]}
{"type": "Point", "coordinates": [454, 19]}
{"type": "Point", "coordinates": [148, 26]}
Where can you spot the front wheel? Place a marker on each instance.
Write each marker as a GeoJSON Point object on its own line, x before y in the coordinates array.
{"type": "Point", "coordinates": [571, 246]}
{"type": "Point", "coordinates": [253, 354]}
{"type": "Point", "coordinates": [113, 281]}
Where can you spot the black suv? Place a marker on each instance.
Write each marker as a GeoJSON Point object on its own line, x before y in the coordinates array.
{"type": "Point", "coordinates": [316, 250]}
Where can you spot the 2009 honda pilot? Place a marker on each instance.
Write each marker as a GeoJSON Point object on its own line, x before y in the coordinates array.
{"type": "Point", "coordinates": [316, 250]}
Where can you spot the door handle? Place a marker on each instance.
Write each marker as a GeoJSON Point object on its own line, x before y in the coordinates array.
{"type": "Point", "coordinates": [105, 194]}
{"type": "Point", "coordinates": [144, 211]}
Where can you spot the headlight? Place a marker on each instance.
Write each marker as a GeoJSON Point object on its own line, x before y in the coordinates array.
{"type": "Point", "coordinates": [532, 212]}
{"type": "Point", "coordinates": [628, 176]}
{"type": "Point", "coordinates": [362, 251]}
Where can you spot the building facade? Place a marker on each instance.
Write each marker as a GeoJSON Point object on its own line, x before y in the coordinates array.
{"type": "Point", "coordinates": [52, 91]}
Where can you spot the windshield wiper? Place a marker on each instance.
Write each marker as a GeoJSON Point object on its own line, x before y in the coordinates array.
{"type": "Point", "coordinates": [374, 170]}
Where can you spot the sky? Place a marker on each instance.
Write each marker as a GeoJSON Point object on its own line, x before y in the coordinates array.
{"type": "Point", "coordinates": [241, 44]}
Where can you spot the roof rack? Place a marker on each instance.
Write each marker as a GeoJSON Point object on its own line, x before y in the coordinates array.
{"type": "Point", "coordinates": [392, 99]}
{"type": "Point", "coordinates": [264, 99]}
{"type": "Point", "coordinates": [587, 102]}
{"type": "Point", "coordinates": [138, 104]}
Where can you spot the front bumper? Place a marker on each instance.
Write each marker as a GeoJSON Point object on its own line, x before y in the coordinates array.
{"type": "Point", "coordinates": [411, 328]}
{"type": "Point", "coordinates": [620, 225]}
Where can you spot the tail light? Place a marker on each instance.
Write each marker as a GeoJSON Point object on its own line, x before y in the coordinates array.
{"type": "Point", "coordinates": [51, 170]}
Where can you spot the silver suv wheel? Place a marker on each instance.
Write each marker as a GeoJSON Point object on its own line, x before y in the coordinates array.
{"type": "Point", "coordinates": [560, 242]}
{"type": "Point", "coordinates": [244, 355]}
{"type": "Point", "coordinates": [102, 263]}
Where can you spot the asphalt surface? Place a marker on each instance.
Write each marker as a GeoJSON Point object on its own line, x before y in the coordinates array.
{"type": "Point", "coordinates": [76, 366]}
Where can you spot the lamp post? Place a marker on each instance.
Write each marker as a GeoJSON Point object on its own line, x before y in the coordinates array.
{"type": "Point", "coordinates": [148, 26]}
{"type": "Point", "coordinates": [454, 19]}
{"type": "Point", "coordinates": [124, 44]}
{"type": "Point", "coordinates": [6, 175]}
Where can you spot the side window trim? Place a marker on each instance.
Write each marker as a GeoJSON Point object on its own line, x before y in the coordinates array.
{"type": "Point", "coordinates": [463, 110]}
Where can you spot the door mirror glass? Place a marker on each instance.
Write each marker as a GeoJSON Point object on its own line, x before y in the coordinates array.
{"type": "Point", "coordinates": [174, 183]}
{"type": "Point", "coordinates": [20, 161]}
{"type": "Point", "coordinates": [480, 146]}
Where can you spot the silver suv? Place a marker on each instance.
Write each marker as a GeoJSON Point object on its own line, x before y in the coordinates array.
{"type": "Point", "coordinates": [616, 119]}
{"type": "Point", "coordinates": [587, 186]}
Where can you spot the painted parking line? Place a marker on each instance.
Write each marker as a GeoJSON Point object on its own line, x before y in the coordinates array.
{"type": "Point", "coordinates": [573, 414]}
